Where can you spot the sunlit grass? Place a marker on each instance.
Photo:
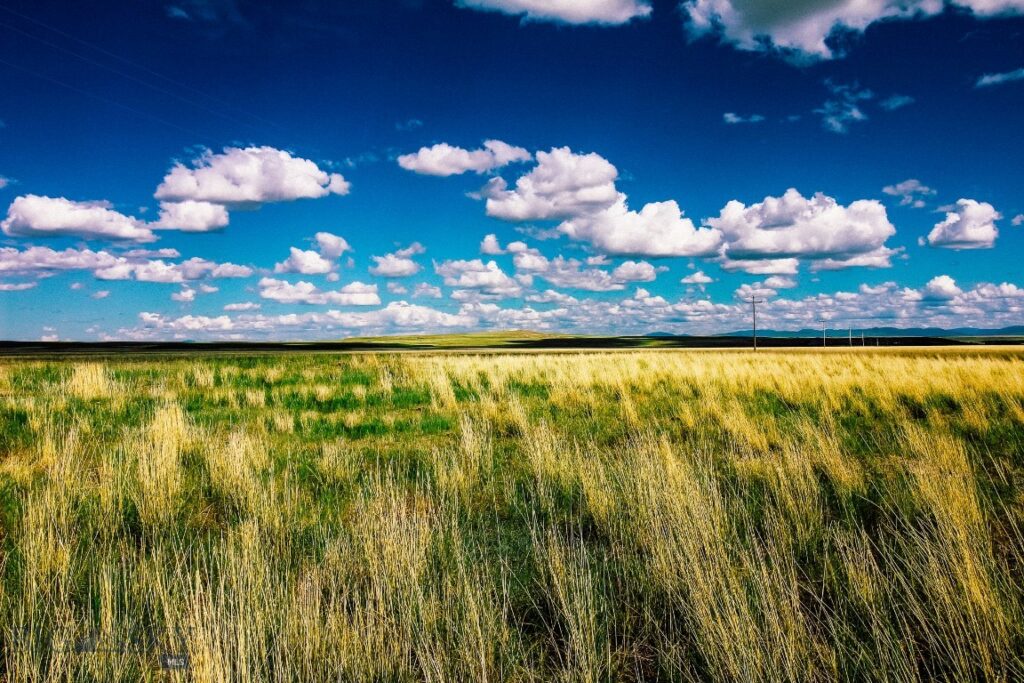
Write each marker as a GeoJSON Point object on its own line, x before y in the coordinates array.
{"type": "Point", "coordinates": [659, 515]}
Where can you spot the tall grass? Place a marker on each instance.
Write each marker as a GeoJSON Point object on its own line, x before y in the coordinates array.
{"type": "Point", "coordinates": [690, 516]}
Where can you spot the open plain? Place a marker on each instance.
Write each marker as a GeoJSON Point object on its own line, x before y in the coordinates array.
{"type": "Point", "coordinates": [641, 515]}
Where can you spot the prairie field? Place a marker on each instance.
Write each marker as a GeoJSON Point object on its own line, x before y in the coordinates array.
{"type": "Point", "coordinates": [618, 516]}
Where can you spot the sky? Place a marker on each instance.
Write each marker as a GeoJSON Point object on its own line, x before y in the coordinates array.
{"type": "Point", "coordinates": [220, 169]}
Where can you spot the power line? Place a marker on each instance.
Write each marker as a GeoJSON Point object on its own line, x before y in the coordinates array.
{"type": "Point", "coordinates": [101, 98]}
{"type": "Point", "coordinates": [133, 64]}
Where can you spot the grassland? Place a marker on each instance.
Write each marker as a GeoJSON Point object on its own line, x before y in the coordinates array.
{"type": "Point", "coordinates": [657, 515]}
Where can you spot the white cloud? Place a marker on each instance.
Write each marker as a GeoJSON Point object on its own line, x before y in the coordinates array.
{"type": "Point", "coordinates": [659, 229]}
{"type": "Point", "coordinates": [321, 262]}
{"type": "Point", "coordinates": [488, 277]}
{"type": "Point", "coordinates": [16, 286]}
{"type": "Point", "coordinates": [4, 182]}
{"type": "Point", "coordinates": [160, 271]}
{"type": "Point", "coordinates": [698, 278]}
{"type": "Point", "coordinates": [398, 263]}
{"type": "Point", "coordinates": [941, 288]}
{"type": "Point", "coordinates": [970, 225]}
{"type": "Point", "coordinates": [490, 245]}
{"type": "Point", "coordinates": [550, 296]}
{"type": "Point", "coordinates": [635, 271]}
{"type": "Point", "coordinates": [42, 260]}
{"type": "Point", "coordinates": [562, 185]}
{"type": "Point", "coordinates": [185, 294]}
{"type": "Point", "coordinates": [247, 306]}
{"type": "Point", "coordinates": [36, 216]}
{"type": "Point", "coordinates": [801, 29]}
{"type": "Point", "coordinates": [101, 294]}
{"type": "Point", "coordinates": [843, 108]}
{"type": "Point", "coordinates": [983, 305]}
{"type": "Point", "coordinates": [989, 80]}
{"type": "Point", "coordinates": [306, 262]}
{"type": "Point", "coordinates": [352, 294]}
{"type": "Point", "coordinates": [331, 246]}
{"type": "Point", "coordinates": [733, 118]}
{"type": "Point", "coordinates": [1018, 220]}
{"type": "Point", "coordinates": [249, 176]}
{"type": "Point", "coordinates": [424, 290]}
{"type": "Point", "coordinates": [610, 12]}
{"type": "Point", "coordinates": [780, 282]}
{"type": "Point", "coordinates": [397, 288]}
{"type": "Point", "coordinates": [894, 102]}
{"type": "Point", "coordinates": [445, 160]}
{"type": "Point", "coordinates": [571, 273]}
{"type": "Point", "coordinates": [757, 290]}
{"type": "Point", "coordinates": [191, 216]}
{"type": "Point", "coordinates": [580, 190]}
{"type": "Point", "coordinates": [911, 192]}
{"type": "Point", "coordinates": [769, 237]}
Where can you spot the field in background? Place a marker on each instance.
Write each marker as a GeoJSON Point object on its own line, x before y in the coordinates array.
{"type": "Point", "coordinates": [638, 516]}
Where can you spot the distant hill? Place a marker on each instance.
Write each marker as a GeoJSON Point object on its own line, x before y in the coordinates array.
{"type": "Point", "coordinates": [837, 333]}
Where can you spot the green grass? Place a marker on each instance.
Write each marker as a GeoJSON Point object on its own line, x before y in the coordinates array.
{"type": "Point", "coordinates": [678, 516]}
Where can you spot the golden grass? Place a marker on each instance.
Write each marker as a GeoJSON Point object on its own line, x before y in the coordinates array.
{"type": "Point", "coordinates": [784, 516]}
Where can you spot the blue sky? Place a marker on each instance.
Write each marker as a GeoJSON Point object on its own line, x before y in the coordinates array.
{"type": "Point", "coordinates": [210, 169]}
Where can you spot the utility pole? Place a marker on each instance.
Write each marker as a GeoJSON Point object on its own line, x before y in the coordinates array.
{"type": "Point", "coordinates": [851, 335]}
{"type": "Point", "coordinates": [754, 301]}
{"type": "Point", "coordinates": [823, 343]}
{"type": "Point", "coordinates": [862, 340]}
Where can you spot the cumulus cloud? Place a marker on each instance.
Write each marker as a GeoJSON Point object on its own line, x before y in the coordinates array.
{"type": "Point", "coordinates": [4, 182]}
{"type": "Point", "coordinates": [733, 118]}
{"type": "Point", "coordinates": [939, 303]}
{"type": "Point", "coordinates": [352, 294]}
{"type": "Point", "coordinates": [398, 263]}
{"type": "Point", "coordinates": [490, 245]}
{"type": "Point", "coordinates": [249, 176]}
{"type": "Point", "coordinates": [609, 12]}
{"type": "Point", "coordinates": [161, 271]}
{"type": "Point", "coordinates": [1018, 220]}
{"type": "Point", "coordinates": [320, 262]}
{"type": "Point", "coordinates": [331, 246]}
{"type": "Point", "coordinates": [488, 278]}
{"type": "Point", "coordinates": [941, 288]}
{"type": "Point", "coordinates": [307, 262]}
{"type": "Point", "coordinates": [562, 185]}
{"type": "Point", "coordinates": [635, 271]}
{"type": "Point", "coordinates": [698, 278]}
{"type": "Point", "coordinates": [780, 282]}
{"type": "Point", "coordinates": [575, 274]}
{"type": "Point", "coordinates": [970, 225]}
{"type": "Point", "coordinates": [191, 216]}
{"type": "Point", "coordinates": [658, 229]}
{"type": "Point", "coordinates": [445, 160]}
{"type": "Point", "coordinates": [802, 29]}
{"type": "Point", "coordinates": [911, 192]}
{"type": "Point", "coordinates": [425, 290]}
{"type": "Point", "coordinates": [770, 237]}
{"type": "Point", "coordinates": [989, 80]}
{"type": "Point", "coordinates": [579, 190]}
{"type": "Point", "coordinates": [37, 216]}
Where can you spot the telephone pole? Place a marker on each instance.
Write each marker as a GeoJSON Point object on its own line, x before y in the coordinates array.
{"type": "Point", "coordinates": [823, 342]}
{"type": "Point", "coordinates": [754, 301]}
